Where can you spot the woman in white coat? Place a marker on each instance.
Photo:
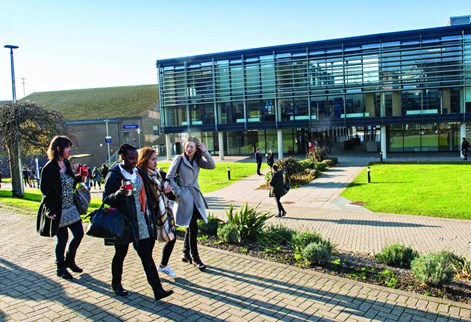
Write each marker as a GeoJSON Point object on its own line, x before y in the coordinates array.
{"type": "Point", "coordinates": [190, 204]}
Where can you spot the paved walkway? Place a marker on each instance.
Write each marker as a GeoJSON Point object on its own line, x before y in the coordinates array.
{"type": "Point", "coordinates": [234, 287]}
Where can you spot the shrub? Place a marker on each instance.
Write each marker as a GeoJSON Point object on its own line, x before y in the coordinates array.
{"type": "Point", "coordinates": [318, 153]}
{"type": "Point", "coordinates": [318, 253]}
{"type": "Point", "coordinates": [290, 164]}
{"type": "Point", "coordinates": [229, 233]}
{"type": "Point", "coordinates": [248, 221]}
{"type": "Point", "coordinates": [460, 265]}
{"type": "Point", "coordinates": [211, 227]}
{"type": "Point", "coordinates": [321, 166]}
{"type": "Point", "coordinates": [397, 256]}
{"type": "Point", "coordinates": [278, 235]}
{"type": "Point", "coordinates": [334, 160]}
{"type": "Point", "coordinates": [301, 240]}
{"type": "Point", "coordinates": [308, 164]}
{"type": "Point", "coordinates": [433, 269]}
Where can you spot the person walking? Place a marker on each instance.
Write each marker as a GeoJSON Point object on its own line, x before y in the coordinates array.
{"type": "Point", "coordinates": [270, 159]}
{"type": "Point", "coordinates": [277, 189]}
{"type": "Point", "coordinates": [57, 212]}
{"type": "Point", "coordinates": [25, 172]}
{"type": "Point", "coordinates": [84, 174]}
{"type": "Point", "coordinates": [464, 148]}
{"type": "Point", "coordinates": [96, 178]}
{"type": "Point", "coordinates": [104, 171]}
{"type": "Point", "coordinates": [258, 159]}
{"type": "Point", "coordinates": [190, 204]}
{"type": "Point", "coordinates": [134, 205]}
{"type": "Point", "coordinates": [164, 216]}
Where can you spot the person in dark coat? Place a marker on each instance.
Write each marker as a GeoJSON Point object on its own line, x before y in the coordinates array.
{"type": "Point", "coordinates": [190, 204]}
{"type": "Point", "coordinates": [277, 189]}
{"type": "Point", "coordinates": [134, 204]}
{"type": "Point", "coordinates": [258, 159]}
{"type": "Point", "coordinates": [464, 148]}
{"type": "Point", "coordinates": [270, 159]}
{"type": "Point", "coordinates": [57, 211]}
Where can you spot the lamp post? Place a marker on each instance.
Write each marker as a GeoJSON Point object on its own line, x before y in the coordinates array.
{"type": "Point", "coordinates": [139, 136]}
{"type": "Point", "coordinates": [108, 140]}
{"type": "Point", "coordinates": [13, 90]}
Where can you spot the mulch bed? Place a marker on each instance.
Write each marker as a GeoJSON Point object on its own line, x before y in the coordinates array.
{"type": "Point", "coordinates": [356, 266]}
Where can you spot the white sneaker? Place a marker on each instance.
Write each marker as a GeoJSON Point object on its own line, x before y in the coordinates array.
{"type": "Point", "coordinates": [167, 270]}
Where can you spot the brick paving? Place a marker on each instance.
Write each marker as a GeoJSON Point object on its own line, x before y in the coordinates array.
{"type": "Point", "coordinates": [234, 287]}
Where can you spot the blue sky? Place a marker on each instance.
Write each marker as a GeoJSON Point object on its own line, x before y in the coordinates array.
{"type": "Point", "coordinates": [68, 44]}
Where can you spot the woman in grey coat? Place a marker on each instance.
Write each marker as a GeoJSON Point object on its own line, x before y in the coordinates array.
{"type": "Point", "coordinates": [190, 204]}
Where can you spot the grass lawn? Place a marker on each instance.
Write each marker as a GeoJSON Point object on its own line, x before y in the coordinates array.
{"type": "Point", "coordinates": [209, 180]}
{"type": "Point", "coordinates": [434, 190]}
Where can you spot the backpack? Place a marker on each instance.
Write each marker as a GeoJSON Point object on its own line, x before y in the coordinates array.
{"type": "Point", "coordinates": [286, 183]}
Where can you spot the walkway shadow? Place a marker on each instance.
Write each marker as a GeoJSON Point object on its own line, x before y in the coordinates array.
{"type": "Point", "coordinates": [364, 222]}
{"type": "Point", "coordinates": [354, 305]}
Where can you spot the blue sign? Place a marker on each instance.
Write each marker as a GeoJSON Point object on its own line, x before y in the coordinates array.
{"type": "Point", "coordinates": [108, 139]}
{"type": "Point", "coordinates": [131, 126]}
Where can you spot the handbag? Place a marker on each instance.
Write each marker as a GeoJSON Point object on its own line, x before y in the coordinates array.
{"type": "Point", "coordinates": [106, 223]}
{"type": "Point", "coordinates": [82, 199]}
{"type": "Point", "coordinates": [170, 195]}
{"type": "Point", "coordinates": [286, 188]}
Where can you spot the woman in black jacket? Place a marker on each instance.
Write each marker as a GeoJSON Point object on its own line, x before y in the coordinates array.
{"type": "Point", "coordinates": [134, 204]}
{"type": "Point", "coordinates": [57, 211]}
{"type": "Point", "coordinates": [277, 189]}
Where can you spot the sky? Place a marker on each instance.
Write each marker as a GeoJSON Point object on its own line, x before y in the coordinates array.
{"type": "Point", "coordinates": [65, 44]}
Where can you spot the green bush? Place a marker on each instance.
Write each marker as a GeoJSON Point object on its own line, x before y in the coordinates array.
{"type": "Point", "coordinates": [278, 235]}
{"type": "Point", "coordinates": [397, 255]}
{"type": "Point", "coordinates": [211, 227]}
{"type": "Point", "coordinates": [301, 240]}
{"type": "Point", "coordinates": [290, 164]}
{"type": "Point", "coordinates": [229, 233]}
{"type": "Point", "coordinates": [308, 164]}
{"type": "Point", "coordinates": [433, 269]}
{"type": "Point", "coordinates": [248, 221]}
{"type": "Point", "coordinates": [321, 166]}
{"type": "Point", "coordinates": [334, 160]}
{"type": "Point", "coordinates": [318, 253]}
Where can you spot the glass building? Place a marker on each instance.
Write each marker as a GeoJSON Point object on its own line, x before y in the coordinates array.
{"type": "Point", "coordinates": [409, 90]}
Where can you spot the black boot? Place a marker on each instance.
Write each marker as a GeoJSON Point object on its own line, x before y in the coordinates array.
{"type": "Point", "coordinates": [154, 281]}
{"type": "Point", "coordinates": [197, 262]}
{"type": "Point", "coordinates": [117, 273]}
{"type": "Point", "coordinates": [70, 263]}
{"type": "Point", "coordinates": [186, 249]}
{"type": "Point", "coordinates": [62, 271]}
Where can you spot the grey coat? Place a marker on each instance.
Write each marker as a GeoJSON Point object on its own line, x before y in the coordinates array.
{"type": "Point", "coordinates": [188, 191]}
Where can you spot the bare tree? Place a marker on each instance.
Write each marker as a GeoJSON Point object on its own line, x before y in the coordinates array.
{"type": "Point", "coordinates": [24, 127]}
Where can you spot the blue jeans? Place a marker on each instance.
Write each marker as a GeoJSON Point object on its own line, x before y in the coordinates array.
{"type": "Point", "coordinates": [62, 237]}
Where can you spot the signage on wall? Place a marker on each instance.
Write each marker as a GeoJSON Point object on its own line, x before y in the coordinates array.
{"type": "Point", "coordinates": [130, 126]}
{"type": "Point", "coordinates": [108, 139]}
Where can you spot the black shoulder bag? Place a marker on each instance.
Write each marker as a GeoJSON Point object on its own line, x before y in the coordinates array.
{"type": "Point", "coordinates": [170, 195]}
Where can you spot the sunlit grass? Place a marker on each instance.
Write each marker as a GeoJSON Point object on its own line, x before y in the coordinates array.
{"type": "Point", "coordinates": [435, 190]}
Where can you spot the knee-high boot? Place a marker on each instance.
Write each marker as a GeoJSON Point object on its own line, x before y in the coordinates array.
{"type": "Point", "coordinates": [154, 281]}
{"type": "Point", "coordinates": [70, 262]}
{"type": "Point", "coordinates": [62, 270]}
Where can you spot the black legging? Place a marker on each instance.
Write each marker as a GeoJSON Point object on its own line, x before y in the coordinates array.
{"type": "Point", "coordinates": [144, 250]}
{"type": "Point", "coordinates": [62, 237]}
{"type": "Point", "coordinates": [279, 205]}
{"type": "Point", "coordinates": [166, 252]}
{"type": "Point", "coordinates": [190, 245]}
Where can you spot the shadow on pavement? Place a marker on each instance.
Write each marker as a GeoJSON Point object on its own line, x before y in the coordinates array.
{"type": "Point", "coordinates": [364, 222]}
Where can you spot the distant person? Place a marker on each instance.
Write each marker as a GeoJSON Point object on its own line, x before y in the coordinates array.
{"type": "Point", "coordinates": [32, 178]}
{"type": "Point", "coordinates": [464, 148]}
{"type": "Point", "coordinates": [96, 177]}
{"type": "Point", "coordinates": [57, 212]}
{"type": "Point", "coordinates": [84, 175]}
{"type": "Point", "coordinates": [26, 177]}
{"type": "Point", "coordinates": [277, 189]}
{"type": "Point", "coordinates": [104, 171]}
{"type": "Point", "coordinates": [270, 159]}
{"type": "Point", "coordinates": [259, 160]}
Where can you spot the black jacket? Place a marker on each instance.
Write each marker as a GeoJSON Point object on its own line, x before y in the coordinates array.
{"type": "Point", "coordinates": [127, 206]}
{"type": "Point", "coordinates": [276, 183]}
{"type": "Point", "coordinates": [51, 203]}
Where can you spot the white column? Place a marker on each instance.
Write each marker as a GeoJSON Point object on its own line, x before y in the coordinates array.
{"type": "Point", "coordinates": [221, 145]}
{"type": "Point", "coordinates": [462, 135]}
{"type": "Point", "coordinates": [168, 146]}
{"type": "Point", "coordinates": [280, 143]}
{"type": "Point", "coordinates": [383, 141]}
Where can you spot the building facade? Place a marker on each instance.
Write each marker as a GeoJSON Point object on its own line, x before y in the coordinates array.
{"type": "Point", "coordinates": [409, 90]}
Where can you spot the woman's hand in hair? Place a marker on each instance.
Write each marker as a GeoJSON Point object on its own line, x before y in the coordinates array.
{"type": "Point", "coordinates": [201, 146]}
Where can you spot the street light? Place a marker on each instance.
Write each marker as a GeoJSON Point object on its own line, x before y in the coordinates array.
{"type": "Point", "coordinates": [108, 140]}
{"type": "Point", "coordinates": [13, 90]}
{"type": "Point", "coordinates": [13, 87]}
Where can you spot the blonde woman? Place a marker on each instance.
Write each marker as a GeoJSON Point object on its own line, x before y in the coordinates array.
{"type": "Point", "coordinates": [190, 204]}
